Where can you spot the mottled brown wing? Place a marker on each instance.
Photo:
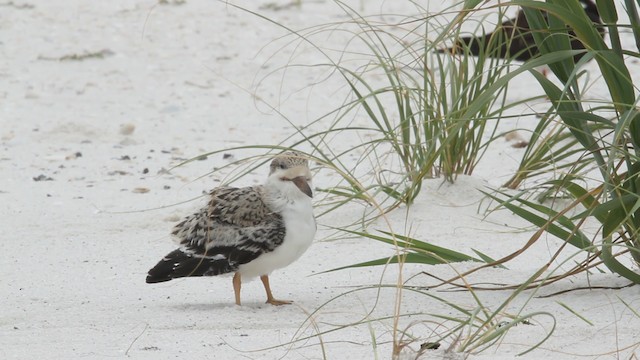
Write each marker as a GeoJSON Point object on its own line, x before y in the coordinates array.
{"type": "Point", "coordinates": [234, 228]}
{"type": "Point", "coordinates": [239, 206]}
{"type": "Point", "coordinates": [231, 216]}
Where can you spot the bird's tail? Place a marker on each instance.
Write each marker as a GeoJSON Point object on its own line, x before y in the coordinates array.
{"type": "Point", "coordinates": [475, 45]}
{"type": "Point", "coordinates": [179, 263]}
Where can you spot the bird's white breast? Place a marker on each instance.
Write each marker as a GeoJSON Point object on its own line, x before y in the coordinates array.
{"type": "Point", "coordinates": [300, 230]}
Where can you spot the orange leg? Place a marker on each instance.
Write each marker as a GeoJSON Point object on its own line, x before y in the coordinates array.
{"type": "Point", "coordinates": [267, 288]}
{"type": "Point", "coordinates": [237, 283]}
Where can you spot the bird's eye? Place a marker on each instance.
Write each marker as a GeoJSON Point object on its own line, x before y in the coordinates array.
{"type": "Point", "coordinates": [282, 166]}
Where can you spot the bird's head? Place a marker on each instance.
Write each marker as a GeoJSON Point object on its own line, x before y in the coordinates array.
{"type": "Point", "coordinates": [290, 172]}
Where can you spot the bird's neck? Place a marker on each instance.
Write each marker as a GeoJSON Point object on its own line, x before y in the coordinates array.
{"type": "Point", "coordinates": [279, 198]}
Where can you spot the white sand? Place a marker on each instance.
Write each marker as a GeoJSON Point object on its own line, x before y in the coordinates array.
{"type": "Point", "coordinates": [177, 81]}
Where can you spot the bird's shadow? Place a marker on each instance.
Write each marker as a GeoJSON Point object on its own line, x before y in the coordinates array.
{"type": "Point", "coordinates": [227, 306]}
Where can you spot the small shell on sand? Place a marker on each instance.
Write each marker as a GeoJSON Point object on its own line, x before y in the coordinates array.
{"type": "Point", "coordinates": [127, 129]}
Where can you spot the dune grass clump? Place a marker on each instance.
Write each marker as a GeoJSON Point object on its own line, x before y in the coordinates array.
{"type": "Point", "coordinates": [426, 113]}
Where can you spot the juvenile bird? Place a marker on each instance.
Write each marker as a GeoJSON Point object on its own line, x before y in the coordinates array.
{"type": "Point", "coordinates": [248, 231]}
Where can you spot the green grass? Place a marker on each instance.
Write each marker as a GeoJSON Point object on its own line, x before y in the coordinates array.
{"type": "Point", "coordinates": [608, 144]}
{"type": "Point", "coordinates": [430, 114]}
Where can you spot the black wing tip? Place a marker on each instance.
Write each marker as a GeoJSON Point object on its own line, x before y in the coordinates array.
{"type": "Point", "coordinates": [164, 269]}
{"type": "Point", "coordinates": [179, 264]}
{"type": "Point", "coordinates": [160, 273]}
{"type": "Point", "coordinates": [154, 279]}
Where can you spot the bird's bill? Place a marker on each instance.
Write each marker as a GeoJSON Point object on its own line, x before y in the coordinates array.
{"type": "Point", "coordinates": [302, 184]}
